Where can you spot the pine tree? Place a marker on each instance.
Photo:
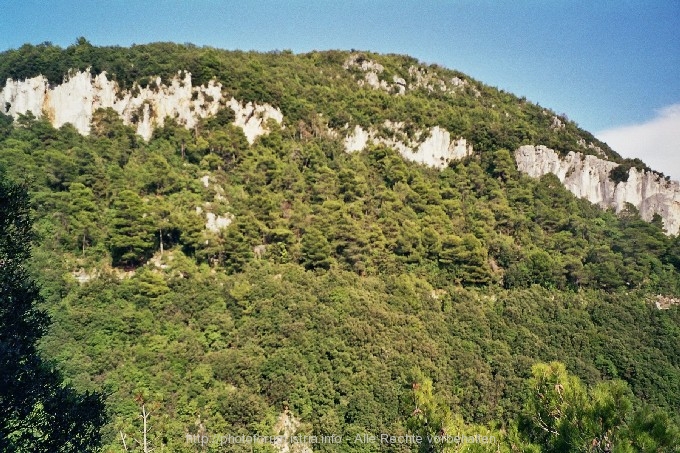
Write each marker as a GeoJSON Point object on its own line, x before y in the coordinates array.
{"type": "Point", "coordinates": [316, 251]}
{"type": "Point", "coordinates": [132, 235]}
{"type": "Point", "coordinates": [237, 252]}
{"type": "Point", "coordinates": [466, 257]}
{"type": "Point", "coordinates": [83, 214]}
{"type": "Point", "coordinates": [562, 414]}
{"type": "Point", "coordinates": [38, 413]}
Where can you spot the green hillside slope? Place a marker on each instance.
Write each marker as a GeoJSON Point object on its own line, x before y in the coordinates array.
{"type": "Point", "coordinates": [360, 293]}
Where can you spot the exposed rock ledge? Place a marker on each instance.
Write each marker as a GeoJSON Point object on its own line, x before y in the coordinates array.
{"type": "Point", "coordinates": [587, 177]}
{"type": "Point", "coordinates": [437, 150]}
{"type": "Point", "coordinates": [666, 302]}
{"type": "Point", "coordinates": [420, 78]}
{"type": "Point", "coordinates": [75, 100]}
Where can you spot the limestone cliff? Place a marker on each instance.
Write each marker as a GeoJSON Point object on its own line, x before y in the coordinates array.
{"type": "Point", "coordinates": [437, 150]}
{"type": "Point", "coordinates": [587, 177]}
{"type": "Point", "coordinates": [75, 100]}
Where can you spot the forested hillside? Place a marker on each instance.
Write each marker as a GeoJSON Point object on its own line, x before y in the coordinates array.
{"type": "Point", "coordinates": [221, 284]}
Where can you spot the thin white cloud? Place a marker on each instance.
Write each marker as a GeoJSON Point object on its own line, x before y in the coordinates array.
{"type": "Point", "coordinates": [655, 142]}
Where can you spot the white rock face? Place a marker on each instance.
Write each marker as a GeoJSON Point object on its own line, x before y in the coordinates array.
{"type": "Point", "coordinates": [357, 140]}
{"type": "Point", "coordinates": [440, 146]}
{"type": "Point", "coordinates": [82, 276]}
{"type": "Point", "coordinates": [75, 100]}
{"type": "Point", "coordinates": [587, 177]}
{"type": "Point", "coordinates": [215, 223]}
{"type": "Point", "coordinates": [371, 68]}
{"type": "Point", "coordinates": [424, 79]}
{"type": "Point", "coordinates": [666, 302]}
{"type": "Point", "coordinates": [435, 151]}
{"type": "Point", "coordinates": [252, 118]}
{"type": "Point", "coordinates": [24, 96]}
{"type": "Point", "coordinates": [557, 123]}
{"type": "Point", "coordinates": [400, 84]}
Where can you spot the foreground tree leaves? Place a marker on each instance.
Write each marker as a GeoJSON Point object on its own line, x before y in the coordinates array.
{"type": "Point", "coordinates": [38, 412]}
{"type": "Point", "coordinates": [563, 415]}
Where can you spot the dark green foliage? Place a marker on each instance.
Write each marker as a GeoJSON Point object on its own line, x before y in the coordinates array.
{"type": "Point", "coordinates": [538, 268]}
{"type": "Point", "coordinates": [672, 254]}
{"type": "Point", "coordinates": [620, 172]}
{"type": "Point", "coordinates": [5, 124]}
{"type": "Point", "coordinates": [83, 230]}
{"type": "Point", "coordinates": [316, 251]}
{"type": "Point", "coordinates": [237, 251]}
{"type": "Point", "coordinates": [39, 412]}
{"type": "Point", "coordinates": [466, 258]}
{"type": "Point", "coordinates": [132, 239]}
{"type": "Point", "coordinates": [503, 165]}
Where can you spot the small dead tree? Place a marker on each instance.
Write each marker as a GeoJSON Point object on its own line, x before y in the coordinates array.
{"type": "Point", "coordinates": [145, 430]}
{"type": "Point", "coordinates": [122, 438]}
{"type": "Point", "coordinates": [142, 442]}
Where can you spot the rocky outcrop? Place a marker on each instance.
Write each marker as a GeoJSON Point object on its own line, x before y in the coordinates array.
{"type": "Point", "coordinates": [371, 69]}
{"type": "Point", "coordinates": [286, 427]}
{"type": "Point", "coordinates": [557, 123]}
{"type": "Point", "coordinates": [437, 150]}
{"type": "Point", "coordinates": [666, 302]}
{"type": "Point", "coordinates": [587, 176]}
{"type": "Point", "coordinates": [592, 146]}
{"type": "Point", "coordinates": [252, 118]}
{"type": "Point", "coordinates": [82, 276]}
{"type": "Point", "coordinates": [419, 77]}
{"type": "Point", "coordinates": [357, 140]}
{"type": "Point", "coordinates": [75, 101]}
{"type": "Point", "coordinates": [214, 222]}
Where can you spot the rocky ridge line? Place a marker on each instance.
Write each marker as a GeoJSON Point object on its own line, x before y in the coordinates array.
{"type": "Point", "coordinates": [420, 78]}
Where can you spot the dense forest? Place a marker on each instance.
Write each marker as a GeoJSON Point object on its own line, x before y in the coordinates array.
{"type": "Point", "coordinates": [356, 292]}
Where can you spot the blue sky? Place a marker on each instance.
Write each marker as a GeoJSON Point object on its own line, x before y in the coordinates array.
{"type": "Point", "coordinates": [612, 66]}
